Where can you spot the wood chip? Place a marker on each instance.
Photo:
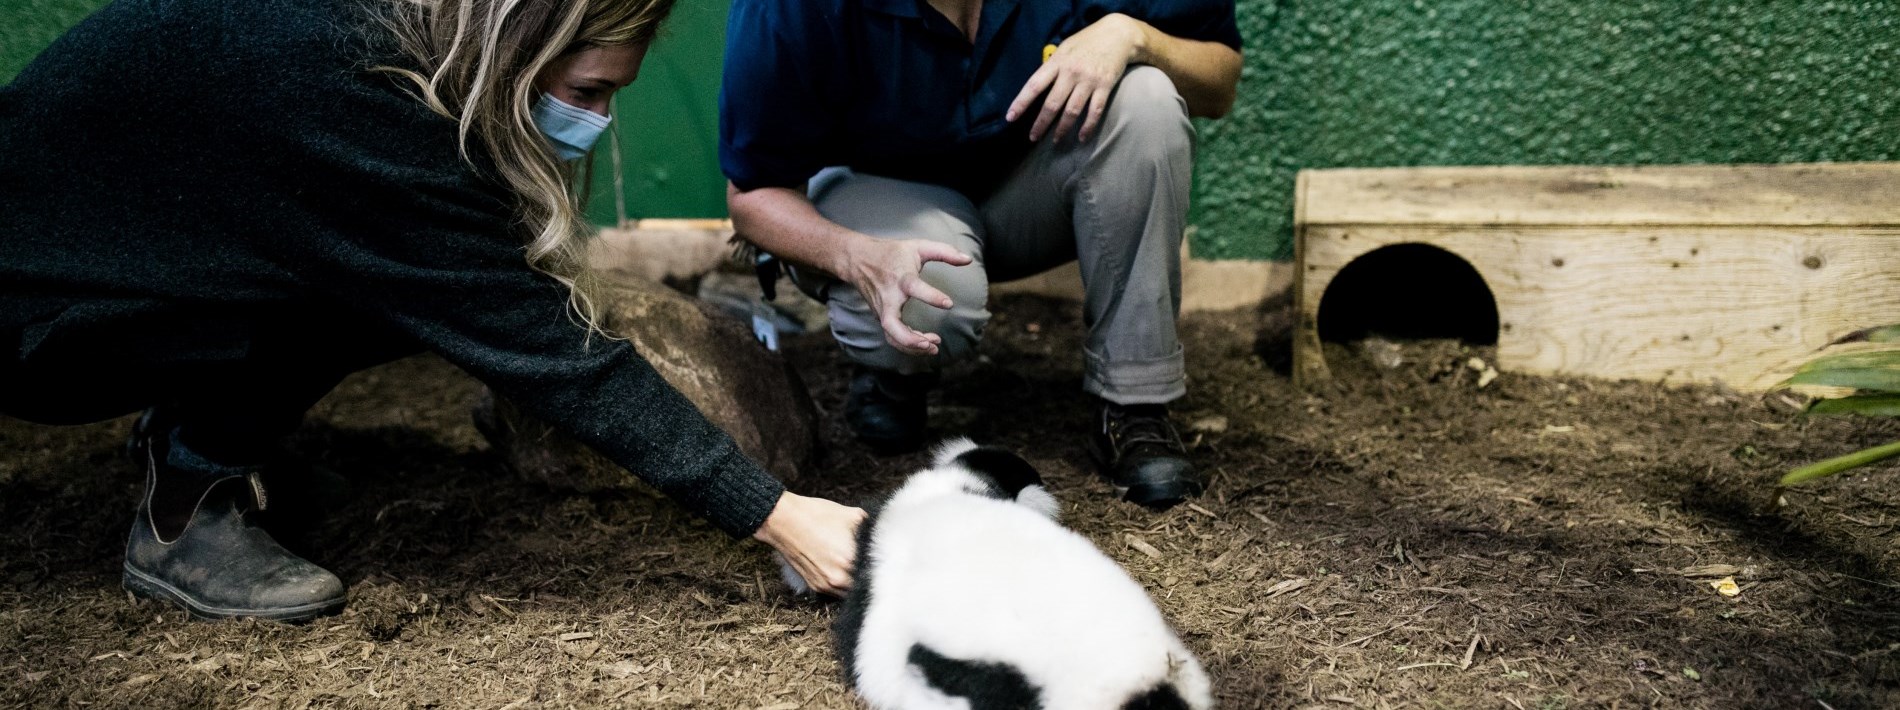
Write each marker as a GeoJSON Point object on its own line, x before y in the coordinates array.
{"type": "Point", "coordinates": [1470, 652]}
{"type": "Point", "coordinates": [577, 635]}
{"type": "Point", "coordinates": [1369, 637]}
{"type": "Point", "coordinates": [1203, 511]}
{"type": "Point", "coordinates": [619, 670]}
{"type": "Point", "coordinates": [1144, 547]}
{"type": "Point", "coordinates": [582, 651]}
{"type": "Point", "coordinates": [1710, 571]}
{"type": "Point", "coordinates": [1214, 424]}
{"type": "Point", "coordinates": [1288, 586]}
{"type": "Point", "coordinates": [716, 623]}
{"type": "Point", "coordinates": [781, 706]}
{"type": "Point", "coordinates": [496, 603]}
{"type": "Point", "coordinates": [209, 665]}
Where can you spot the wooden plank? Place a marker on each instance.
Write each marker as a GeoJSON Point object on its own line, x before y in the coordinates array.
{"type": "Point", "coordinates": [1309, 355]}
{"type": "Point", "coordinates": [724, 226]}
{"type": "Point", "coordinates": [1814, 194]}
{"type": "Point", "coordinates": [1736, 304]}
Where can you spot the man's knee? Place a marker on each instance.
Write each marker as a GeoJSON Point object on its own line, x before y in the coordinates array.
{"type": "Point", "coordinates": [960, 327]}
{"type": "Point", "coordinates": [1151, 112]}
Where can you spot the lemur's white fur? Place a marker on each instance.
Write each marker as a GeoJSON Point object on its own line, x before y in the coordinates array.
{"type": "Point", "coordinates": [977, 578]}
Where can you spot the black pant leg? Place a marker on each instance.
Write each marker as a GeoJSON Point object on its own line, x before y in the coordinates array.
{"type": "Point", "coordinates": [251, 389]}
{"type": "Point", "coordinates": [238, 413]}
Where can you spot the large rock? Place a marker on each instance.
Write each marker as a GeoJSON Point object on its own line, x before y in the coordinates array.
{"type": "Point", "coordinates": [750, 392]}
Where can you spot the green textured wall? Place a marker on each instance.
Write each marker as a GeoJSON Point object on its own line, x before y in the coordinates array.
{"type": "Point", "coordinates": [1376, 83]}
{"type": "Point", "coordinates": [1467, 82]}
{"type": "Point", "coordinates": [27, 26]}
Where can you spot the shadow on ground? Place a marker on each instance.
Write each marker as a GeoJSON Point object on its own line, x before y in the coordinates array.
{"type": "Point", "coordinates": [1403, 538]}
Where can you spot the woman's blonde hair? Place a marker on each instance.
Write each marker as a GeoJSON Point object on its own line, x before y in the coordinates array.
{"type": "Point", "coordinates": [477, 61]}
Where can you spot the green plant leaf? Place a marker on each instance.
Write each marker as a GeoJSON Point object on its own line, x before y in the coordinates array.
{"type": "Point", "coordinates": [1871, 405]}
{"type": "Point", "coordinates": [1823, 469]}
{"type": "Point", "coordinates": [1877, 380]}
{"type": "Point", "coordinates": [1882, 334]}
{"type": "Point", "coordinates": [1873, 360]}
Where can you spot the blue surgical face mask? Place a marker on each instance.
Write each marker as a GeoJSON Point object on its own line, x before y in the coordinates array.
{"type": "Point", "coordinates": [570, 129]}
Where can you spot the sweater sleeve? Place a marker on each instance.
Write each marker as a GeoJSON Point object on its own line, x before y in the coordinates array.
{"type": "Point", "coordinates": [376, 209]}
{"type": "Point", "coordinates": [509, 327]}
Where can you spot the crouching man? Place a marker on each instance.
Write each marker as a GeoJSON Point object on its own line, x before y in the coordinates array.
{"type": "Point", "coordinates": [902, 155]}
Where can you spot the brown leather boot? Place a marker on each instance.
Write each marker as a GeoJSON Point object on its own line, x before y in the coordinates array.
{"type": "Point", "coordinates": [193, 542]}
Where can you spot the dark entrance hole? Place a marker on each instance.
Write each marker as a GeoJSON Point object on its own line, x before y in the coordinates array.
{"type": "Point", "coordinates": [1409, 292]}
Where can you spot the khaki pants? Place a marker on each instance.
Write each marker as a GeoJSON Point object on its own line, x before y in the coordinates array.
{"type": "Point", "coordinates": [1117, 204]}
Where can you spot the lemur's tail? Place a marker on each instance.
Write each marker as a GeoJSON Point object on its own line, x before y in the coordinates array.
{"type": "Point", "coordinates": [986, 685]}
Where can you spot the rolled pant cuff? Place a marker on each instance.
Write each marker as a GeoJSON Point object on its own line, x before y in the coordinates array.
{"type": "Point", "coordinates": [1155, 381]}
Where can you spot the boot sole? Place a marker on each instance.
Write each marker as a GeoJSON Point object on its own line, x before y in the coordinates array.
{"type": "Point", "coordinates": [1158, 496]}
{"type": "Point", "coordinates": [150, 587]}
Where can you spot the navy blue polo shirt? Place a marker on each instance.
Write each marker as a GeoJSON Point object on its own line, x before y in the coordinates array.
{"type": "Point", "coordinates": [893, 88]}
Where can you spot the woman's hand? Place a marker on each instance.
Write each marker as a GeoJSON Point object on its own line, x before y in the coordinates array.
{"type": "Point", "coordinates": [818, 537]}
{"type": "Point", "coordinates": [1080, 76]}
{"type": "Point", "coordinates": [888, 272]}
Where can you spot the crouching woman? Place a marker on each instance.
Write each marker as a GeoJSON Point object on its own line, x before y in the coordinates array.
{"type": "Point", "coordinates": [217, 209]}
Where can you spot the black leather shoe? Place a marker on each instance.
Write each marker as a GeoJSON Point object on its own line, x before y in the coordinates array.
{"type": "Point", "coordinates": [887, 411]}
{"type": "Point", "coordinates": [193, 544]}
{"type": "Point", "coordinates": [1140, 452]}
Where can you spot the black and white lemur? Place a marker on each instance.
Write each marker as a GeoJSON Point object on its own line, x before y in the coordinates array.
{"type": "Point", "coordinates": [969, 596]}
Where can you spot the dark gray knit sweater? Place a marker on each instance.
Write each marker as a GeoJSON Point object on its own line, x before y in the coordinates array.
{"type": "Point", "coordinates": [192, 159]}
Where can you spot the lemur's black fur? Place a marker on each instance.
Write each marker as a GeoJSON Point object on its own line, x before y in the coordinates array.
{"type": "Point", "coordinates": [1009, 473]}
{"type": "Point", "coordinates": [987, 685]}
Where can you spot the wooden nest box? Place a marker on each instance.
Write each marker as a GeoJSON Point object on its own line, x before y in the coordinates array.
{"type": "Point", "coordinates": [1681, 274]}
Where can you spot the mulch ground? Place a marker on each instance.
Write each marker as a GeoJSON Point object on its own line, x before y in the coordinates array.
{"type": "Point", "coordinates": [1402, 538]}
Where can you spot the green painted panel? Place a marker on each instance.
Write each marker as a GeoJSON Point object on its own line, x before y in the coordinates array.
{"type": "Point", "coordinates": [1466, 82]}
{"type": "Point", "coordinates": [668, 124]}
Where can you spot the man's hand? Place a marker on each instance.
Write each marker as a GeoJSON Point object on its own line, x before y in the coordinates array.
{"type": "Point", "coordinates": [888, 272]}
{"type": "Point", "coordinates": [818, 537]}
{"type": "Point", "coordinates": [1080, 76]}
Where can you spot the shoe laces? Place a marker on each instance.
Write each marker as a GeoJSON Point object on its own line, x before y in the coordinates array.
{"type": "Point", "coordinates": [1132, 426]}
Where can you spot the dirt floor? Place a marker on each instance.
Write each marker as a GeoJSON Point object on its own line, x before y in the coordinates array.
{"type": "Point", "coordinates": [1402, 539]}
